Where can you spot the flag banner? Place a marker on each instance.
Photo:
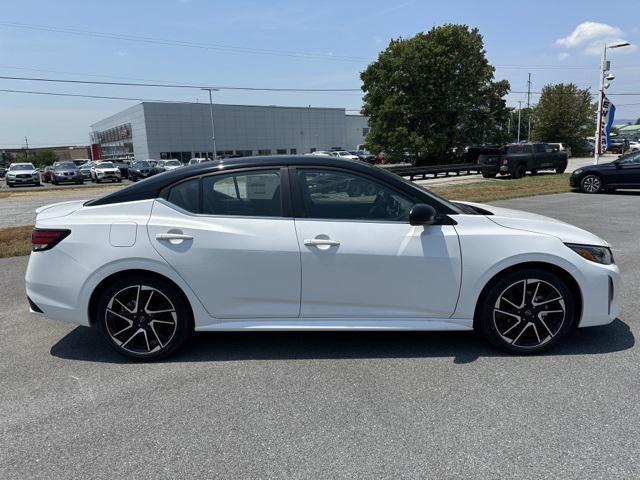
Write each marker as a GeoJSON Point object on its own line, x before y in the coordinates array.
{"type": "Point", "coordinates": [608, 115]}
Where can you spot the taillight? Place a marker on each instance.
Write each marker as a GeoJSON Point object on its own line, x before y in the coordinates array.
{"type": "Point", "coordinates": [504, 160]}
{"type": "Point", "coordinates": [47, 238]}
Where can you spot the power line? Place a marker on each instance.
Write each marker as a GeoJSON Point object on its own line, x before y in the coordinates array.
{"type": "Point", "coordinates": [90, 96]}
{"type": "Point", "coordinates": [181, 43]}
{"type": "Point", "coordinates": [176, 85]}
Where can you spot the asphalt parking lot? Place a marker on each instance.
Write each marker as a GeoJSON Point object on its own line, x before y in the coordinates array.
{"type": "Point", "coordinates": [330, 405]}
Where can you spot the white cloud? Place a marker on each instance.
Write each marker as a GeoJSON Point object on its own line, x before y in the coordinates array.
{"type": "Point", "coordinates": [563, 56]}
{"type": "Point", "coordinates": [122, 53]}
{"type": "Point", "coordinates": [589, 37]}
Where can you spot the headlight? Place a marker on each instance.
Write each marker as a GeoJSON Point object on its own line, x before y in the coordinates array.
{"type": "Point", "coordinates": [592, 253]}
{"type": "Point", "coordinates": [577, 172]}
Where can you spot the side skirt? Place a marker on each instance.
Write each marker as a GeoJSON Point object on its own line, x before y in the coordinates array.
{"type": "Point", "coordinates": [337, 324]}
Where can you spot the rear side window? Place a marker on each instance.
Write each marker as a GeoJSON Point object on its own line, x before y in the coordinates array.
{"type": "Point", "coordinates": [186, 195]}
{"type": "Point", "coordinates": [519, 149]}
{"type": "Point", "coordinates": [255, 194]}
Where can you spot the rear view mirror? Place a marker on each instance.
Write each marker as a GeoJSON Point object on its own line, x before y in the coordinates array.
{"type": "Point", "coordinates": [422, 214]}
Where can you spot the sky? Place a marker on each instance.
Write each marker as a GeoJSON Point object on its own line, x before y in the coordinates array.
{"type": "Point", "coordinates": [279, 44]}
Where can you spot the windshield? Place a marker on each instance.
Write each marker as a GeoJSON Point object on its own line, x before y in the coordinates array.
{"type": "Point", "coordinates": [173, 163]}
{"type": "Point", "coordinates": [141, 165]}
{"type": "Point", "coordinates": [65, 166]}
{"type": "Point", "coordinates": [105, 165]}
{"type": "Point", "coordinates": [22, 166]}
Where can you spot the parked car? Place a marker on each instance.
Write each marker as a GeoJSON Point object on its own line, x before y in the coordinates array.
{"type": "Point", "coordinates": [616, 145]}
{"type": "Point", "coordinates": [196, 161]}
{"type": "Point", "coordinates": [344, 154]}
{"type": "Point", "coordinates": [524, 281]}
{"type": "Point", "coordinates": [85, 170]}
{"type": "Point", "coordinates": [66, 172]}
{"type": "Point", "coordinates": [363, 155]}
{"type": "Point", "coordinates": [123, 166]}
{"type": "Point", "coordinates": [168, 165]}
{"type": "Point", "coordinates": [519, 158]}
{"type": "Point", "coordinates": [607, 177]}
{"type": "Point", "coordinates": [140, 170]}
{"type": "Point", "coordinates": [322, 153]}
{"type": "Point", "coordinates": [46, 173]}
{"type": "Point", "coordinates": [81, 161]}
{"type": "Point", "coordinates": [634, 145]}
{"type": "Point", "coordinates": [3, 172]}
{"type": "Point", "coordinates": [22, 174]}
{"type": "Point", "coordinates": [105, 171]}
{"type": "Point", "coordinates": [562, 148]}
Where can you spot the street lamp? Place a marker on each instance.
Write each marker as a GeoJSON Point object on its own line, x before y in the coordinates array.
{"type": "Point", "coordinates": [605, 66]}
{"type": "Point", "coordinates": [213, 125]}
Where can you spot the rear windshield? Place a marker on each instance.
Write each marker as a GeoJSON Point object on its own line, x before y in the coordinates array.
{"type": "Point", "coordinates": [105, 165]}
{"type": "Point", "coordinates": [173, 163]}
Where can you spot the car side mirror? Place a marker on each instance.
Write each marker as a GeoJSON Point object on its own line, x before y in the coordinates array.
{"type": "Point", "coordinates": [422, 214]}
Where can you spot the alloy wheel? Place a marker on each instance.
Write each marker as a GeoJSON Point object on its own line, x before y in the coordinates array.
{"type": "Point", "coordinates": [529, 313]}
{"type": "Point", "coordinates": [591, 184]}
{"type": "Point", "coordinates": [140, 319]}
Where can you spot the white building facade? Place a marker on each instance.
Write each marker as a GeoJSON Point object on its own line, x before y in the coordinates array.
{"type": "Point", "coordinates": [183, 131]}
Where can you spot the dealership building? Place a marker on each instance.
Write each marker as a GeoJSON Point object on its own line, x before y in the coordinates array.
{"type": "Point", "coordinates": [162, 130]}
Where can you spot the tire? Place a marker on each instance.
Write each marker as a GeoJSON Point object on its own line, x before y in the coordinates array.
{"type": "Point", "coordinates": [512, 312]}
{"type": "Point", "coordinates": [591, 184]}
{"type": "Point", "coordinates": [520, 171]}
{"type": "Point", "coordinates": [488, 175]}
{"type": "Point", "coordinates": [534, 172]}
{"type": "Point", "coordinates": [134, 332]}
{"type": "Point", "coordinates": [119, 180]}
{"type": "Point", "coordinates": [561, 168]}
{"type": "Point", "coordinates": [38, 184]}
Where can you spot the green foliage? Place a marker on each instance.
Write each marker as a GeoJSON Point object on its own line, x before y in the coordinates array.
{"type": "Point", "coordinates": [638, 121]}
{"type": "Point", "coordinates": [566, 114]}
{"type": "Point", "coordinates": [39, 159]}
{"type": "Point", "coordinates": [432, 93]}
{"type": "Point", "coordinates": [512, 124]}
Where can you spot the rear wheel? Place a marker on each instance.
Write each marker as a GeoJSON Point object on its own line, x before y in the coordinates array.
{"type": "Point", "coordinates": [520, 171]}
{"type": "Point", "coordinates": [144, 318]}
{"type": "Point", "coordinates": [527, 311]}
{"type": "Point", "coordinates": [561, 168]}
{"type": "Point", "coordinates": [489, 174]}
{"type": "Point", "coordinates": [591, 184]}
{"type": "Point", "coordinates": [534, 172]}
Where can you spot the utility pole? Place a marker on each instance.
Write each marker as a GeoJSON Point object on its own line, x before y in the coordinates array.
{"type": "Point", "coordinates": [213, 125]}
{"type": "Point", "coordinates": [529, 107]}
{"type": "Point", "coordinates": [519, 111]}
{"type": "Point", "coordinates": [26, 148]}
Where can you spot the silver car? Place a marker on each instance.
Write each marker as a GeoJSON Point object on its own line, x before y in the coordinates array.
{"type": "Point", "coordinates": [66, 172]}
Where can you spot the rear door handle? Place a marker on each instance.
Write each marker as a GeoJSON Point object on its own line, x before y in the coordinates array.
{"type": "Point", "coordinates": [315, 242]}
{"type": "Point", "coordinates": [173, 238]}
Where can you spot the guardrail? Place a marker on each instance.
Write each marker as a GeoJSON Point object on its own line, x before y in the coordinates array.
{"type": "Point", "coordinates": [421, 172]}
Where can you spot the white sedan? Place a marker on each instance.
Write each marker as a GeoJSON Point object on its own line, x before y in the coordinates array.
{"type": "Point", "coordinates": [290, 243]}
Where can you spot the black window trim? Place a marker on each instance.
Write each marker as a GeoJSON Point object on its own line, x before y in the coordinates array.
{"type": "Point", "coordinates": [285, 192]}
{"type": "Point", "coordinates": [298, 202]}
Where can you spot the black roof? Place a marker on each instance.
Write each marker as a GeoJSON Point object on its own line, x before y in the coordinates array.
{"type": "Point", "coordinates": [151, 187]}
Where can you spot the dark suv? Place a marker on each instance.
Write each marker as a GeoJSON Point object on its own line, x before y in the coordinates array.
{"type": "Point", "coordinates": [519, 158]}
{"type": "Point", "coordinates": [66, 172]}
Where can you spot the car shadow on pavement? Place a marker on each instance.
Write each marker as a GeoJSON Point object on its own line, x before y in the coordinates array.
{"type": "Point", "coordinates": [86, 344]}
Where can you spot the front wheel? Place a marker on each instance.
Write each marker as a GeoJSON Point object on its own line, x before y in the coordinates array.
{"type": "Point", "coordinates": [144, 318]}
{"type": "Point", "coordinates": [591, 184]}
{"type": "Point", "coordinates": [561, 168]}
{"type": "Point", "coordinates": [489, 174]}
{"type": "Point", "coordinates": [527, 311]}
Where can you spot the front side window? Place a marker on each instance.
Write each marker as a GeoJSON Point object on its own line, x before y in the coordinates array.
{"type": "Point", "coordinates": [255, 194]}
{"type": "Point", "coordinates": [631, 159]}
{"type": "Point", "coordinates": [339, 195]}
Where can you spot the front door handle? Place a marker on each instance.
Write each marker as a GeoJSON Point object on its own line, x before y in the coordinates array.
{"type": "Point", "coordinates": [316, 242]}
{"type": "Point", "coordinates": [173, 238]}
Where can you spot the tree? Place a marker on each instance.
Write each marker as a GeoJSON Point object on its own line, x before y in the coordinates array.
{"type": "Point", "coordinates": [433, 93]}
{"type": "Point", "coordinates": [638, 121]}
{"type": "Point", "coordinates": [566, 114]}
{"type": "Point", "coordinates": [512, 124]}
{"type": "Point", "coordinates": [39, 159]}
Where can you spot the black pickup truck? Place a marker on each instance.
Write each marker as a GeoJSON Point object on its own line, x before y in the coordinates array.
{"type": "Point", "coordinates": [519, 158]}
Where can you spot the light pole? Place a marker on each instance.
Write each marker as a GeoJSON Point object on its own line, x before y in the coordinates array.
{"type": "Point", "coordinates": [519, 110]}
{"type": "Point", "coordinates": [604, 75]}
{"type": "Point", "coordinates": [213, 125]}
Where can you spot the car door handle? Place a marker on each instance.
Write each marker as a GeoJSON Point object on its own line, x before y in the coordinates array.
{"type": "Point", "coordinates": [315, 242]}
{"type": "Point", "coordinates": [173, 238]}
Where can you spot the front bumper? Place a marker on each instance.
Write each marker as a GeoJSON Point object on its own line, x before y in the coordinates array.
{"type": "Point", "coordinates": [600, 286]}
{"type": "Point", "coordinates": [574, 182]}
{"type": "Point", "coordinates": [23, 181]}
